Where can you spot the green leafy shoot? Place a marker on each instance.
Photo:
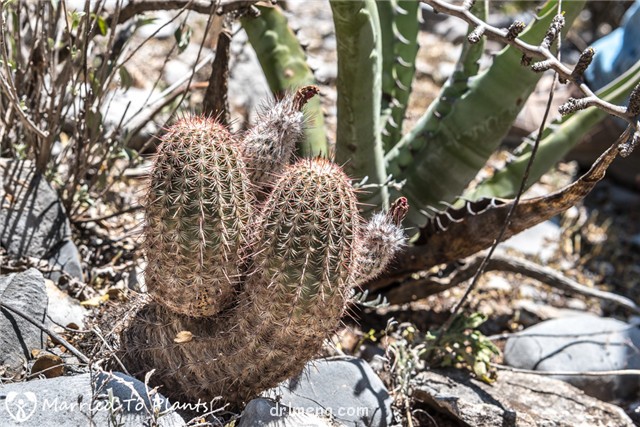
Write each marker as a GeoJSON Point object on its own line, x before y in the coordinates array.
{"type": "Point", "coordinates": [463, 346]}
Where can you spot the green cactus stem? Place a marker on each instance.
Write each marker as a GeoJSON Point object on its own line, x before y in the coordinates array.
{"type": "Point", "coordinates": [303, 262]}
{"type": "Point", "coordinates": [197, 210]}
{"type": "Point", "coordinates": [305, 250]}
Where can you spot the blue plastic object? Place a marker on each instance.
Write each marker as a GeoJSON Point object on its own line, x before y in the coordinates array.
{"type": "Point", "coordinates": [617, 51]}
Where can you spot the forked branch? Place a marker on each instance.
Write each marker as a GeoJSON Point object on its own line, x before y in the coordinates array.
{"type": "Point", "coordinates": [548, 60]}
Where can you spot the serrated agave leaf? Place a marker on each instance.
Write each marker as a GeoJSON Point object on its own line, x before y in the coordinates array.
{"type": "Point", "coordinates": [284, 64]}
{"type": "Point", "coordinates": [358, 140]}
{"type": "Point", "coordinates": [447, 147]}
{"type": "Point", "coordinates": [399, 26]}
{"type": "Point", "coordinates": [557, 139]}
{"type": "Point", "coordinates": [460, 232]}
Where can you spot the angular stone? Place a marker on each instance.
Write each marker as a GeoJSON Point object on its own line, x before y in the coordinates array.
{"type": "Point", "coordinates": [581, 343]}
{"type": "Point", "coordinates": [81, 401]}
{"type": "Point", "coordinates": [62, 309]}
{"type": "Point", "coordinates": [345, 388]}
{"type": "Point", "coordinates": [514, 400]}
{"type": "Point", "coordinates": [25, 292]}
{"type": "Point", "coordinates": [33, 221]}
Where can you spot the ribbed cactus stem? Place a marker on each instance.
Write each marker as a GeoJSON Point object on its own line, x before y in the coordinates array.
{"type": "Point", "coordinates": [197, 210]}
{"type": "Point", "coordinates": [381, 239]}
{"type": "Point", "coordinates": [304, 263]}
{"type": "Point", "coordinates": [269, 146]}
{"type": "Point", "coordinates": [240, 306]}
{"type": "Point", "coordinates": [296, 293]}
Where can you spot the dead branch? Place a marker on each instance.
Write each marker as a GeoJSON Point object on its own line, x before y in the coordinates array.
{"type": "Point", "coordinates": [433, 284]}
{"type": "Point", "coordinates": [136, 7]}
{"type": "Point", "coordinates": [48, 331]}
{"type": "Point", "coordinates": [215, 103]}
{"type": "Point", "coordinates": [625, 372]}
{"type": "Point", "coordinates": [543, 52]}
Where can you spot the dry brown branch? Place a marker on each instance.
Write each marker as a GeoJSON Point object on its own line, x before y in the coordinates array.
{"type": "Point", "coordinates": [48, 331]}
{"type": "Point", "coordinates": [136, 7]}
{"type": "Point", "coordinates": [542, 52]}
{"type": "Point", "coordinates": [215, 103]}
{"type": "Point", "coordinates": [626, 372]}
{"type": "Point", "coordinates": [433, 284]}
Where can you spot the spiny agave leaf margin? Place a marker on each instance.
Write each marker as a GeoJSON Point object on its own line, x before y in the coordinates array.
{"type": "Point", "coordinates": [558, 138]}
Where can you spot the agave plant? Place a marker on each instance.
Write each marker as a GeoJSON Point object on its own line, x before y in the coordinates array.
{"type": "Point", "coordinates": [437, 159]}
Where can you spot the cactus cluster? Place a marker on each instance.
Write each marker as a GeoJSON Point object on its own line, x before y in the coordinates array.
{"type": "Point", "coordinates": [252, 255]}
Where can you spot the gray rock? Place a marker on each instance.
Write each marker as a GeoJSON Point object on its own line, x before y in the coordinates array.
{"type": "Point", "coordinates": [62, 309]}
{"type": "Point", "coordinates": [33, 222]}
{"type": "Point", "coordinates": [541, 240]}
{"type": "Point", "coordinates": [79, 401]}
{"type": "Point", "coordinates": [67, 258]}
{"type": "Point", "coordinates": [515, 399]}
{"type": "Point", "coordinates": [346, 388]}
{"type": "Point", "coordinates": [581, 343]}
{"type": "Point", "coordinates": [25, 292]}
{"type": "Point", "coordinates": [532, 313]}
{"type": "Point", "coordinates": [267, 413]}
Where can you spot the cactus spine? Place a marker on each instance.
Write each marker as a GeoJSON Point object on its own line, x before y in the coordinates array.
{"type": "Point", "coordinates": [302, 253]}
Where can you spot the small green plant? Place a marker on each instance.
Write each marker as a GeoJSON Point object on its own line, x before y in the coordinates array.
{"type": "Point", "coordinates": [462, 345]}
{"type": "Point", "coordinates": [252, 256]}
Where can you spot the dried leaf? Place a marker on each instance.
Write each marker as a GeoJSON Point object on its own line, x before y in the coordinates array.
{"type": "Point", "coordinates": [95, 301]}
{"type": "Point", "coordinates": [49, 365]}
{"type": "Point", "coordinates": [458, 233]}
{"type": "Point", "coordinates": [183, 336]}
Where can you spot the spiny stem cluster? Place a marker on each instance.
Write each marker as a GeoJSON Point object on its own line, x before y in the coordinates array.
{"type": "Point", "coordinates": [251, 256]}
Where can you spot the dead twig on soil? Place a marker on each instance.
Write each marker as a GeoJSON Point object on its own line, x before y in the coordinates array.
{"type": "Point", "coordinates": [431, 285]}
{"type": "Point", "coordinates": [48, 331]}
{"type": "Point", "coordinates": [625, 372]}
{"type": "Point", "coordinates": [109, 216]}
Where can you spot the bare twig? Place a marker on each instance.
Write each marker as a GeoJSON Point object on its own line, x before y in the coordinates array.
{"type": "Point", "coordinates": [625, 372]}
{"type": "Point", "coordinates": [549, 38]}
{"type": "Point", "coordinates": [433, 284]}
{"type": "Point", "coordinates": [136, 7]}
{"type": "Point", "coordinates": [541, 52]}
{"type": "Point", "coordinates": [524, 333]}
{"type": "Point", "coordinates": [112, 215]}
{"type": "Point", "coordinates": [48, 331]}
{"type": "Point", "coordinates": [111, 350]}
